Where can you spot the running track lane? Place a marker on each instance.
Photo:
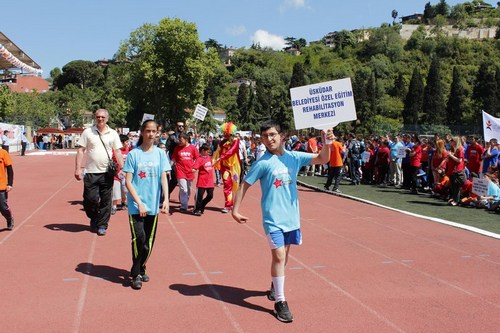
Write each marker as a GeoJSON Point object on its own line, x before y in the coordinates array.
{"type": "Point", "coordinates": [361, 268]}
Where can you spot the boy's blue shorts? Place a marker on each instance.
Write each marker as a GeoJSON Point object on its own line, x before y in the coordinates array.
{"type": "Point", "coordinates": [279, 238]}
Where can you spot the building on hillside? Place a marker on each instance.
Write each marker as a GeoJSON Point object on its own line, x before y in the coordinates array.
{"type": "Point", "coordinates": [360, 35]}
{"type": "Point", "coordinates": [226, 54]}
{"type": "Point", "coordinates": [416, 18]}
{"type": "Point", "coordinates": [293, 51]}
{"type": "Point", "coordinates": [450, 31]}
{"type": "Point", "coordinates": [242, 80]}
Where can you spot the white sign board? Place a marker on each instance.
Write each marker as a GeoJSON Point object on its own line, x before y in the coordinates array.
{"type": "Point", "coordinates": [321, 105]}
{"type": "Point", "coordinates": [200, 112]}
{"type": "Point", "coordinates": [365, 157]}
{"type": "Point", "coordinates": [401, 152]}
{"type": "Point", "coordinates": [480, 186]}
{"type": "Point", "coordinates": [147, 116]}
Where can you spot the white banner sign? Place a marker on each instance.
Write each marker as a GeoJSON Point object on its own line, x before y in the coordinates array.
{"type": "Point", "coordinates": [365, 156]}
{"type": "Point", "coordinates": [480, 186]}
{"type": "Point", "coordinates": [200, 112]}
{"type": "Point", "coordinates": [401, 152]}
{"type": "Point", "coordinates": [147, 116]}
{"type": "Point", "coordinates": [323, 104]}
{"type": "Point", "coordinates": [491, 127]}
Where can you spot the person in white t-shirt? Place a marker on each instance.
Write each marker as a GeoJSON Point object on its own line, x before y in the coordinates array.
{"type": "Point", "coordinates": [97, 143]}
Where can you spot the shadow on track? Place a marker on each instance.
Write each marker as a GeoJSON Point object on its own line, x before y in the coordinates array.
{"type": "Point", "coordinates": [227, 294]}
{"type": "Point", "coordinates": [111, 274]}
{"type": "Point", "coordinates": [69, 227]}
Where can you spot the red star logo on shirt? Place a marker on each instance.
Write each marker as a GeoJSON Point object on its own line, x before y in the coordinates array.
{"type": "Point", "coordinates": [142, 174]}
{"type": "Point", "coordinates": [278, 183]}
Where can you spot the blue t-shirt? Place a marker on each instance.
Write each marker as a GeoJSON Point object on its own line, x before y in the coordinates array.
{"type": "Point", "coordinates": [494, 191]}
{"type": "Point", "coordinates": [406, 159]}
{"type": "Point", "coordinates": [146, 169]}
{"type": "Point", "coordinates": [278, 183]}
{"type": "Point", "coordinates": [490, 160]}
{"type": "Point", "coordinates": [394, 146]}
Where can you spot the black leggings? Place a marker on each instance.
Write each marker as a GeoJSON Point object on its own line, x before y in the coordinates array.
{"type": "Point", "coordinates": [200, 201]}
{"type": "Point", "coordinates": [143, 231]}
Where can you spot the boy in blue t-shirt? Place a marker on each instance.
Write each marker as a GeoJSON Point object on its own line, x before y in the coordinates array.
{"type": "Point", "coordinates": [277, 172]}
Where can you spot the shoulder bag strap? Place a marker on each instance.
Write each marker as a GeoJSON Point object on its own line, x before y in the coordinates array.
{"type": "Point", "coordinates": [104, 145]}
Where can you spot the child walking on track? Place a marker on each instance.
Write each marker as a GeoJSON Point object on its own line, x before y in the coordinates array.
{"type": "Point", "coordinates": [277, 172]}
{"type": "Point", "coordinates": [145, 170]}
{"type": "Point", "coordinates": [205, 181]}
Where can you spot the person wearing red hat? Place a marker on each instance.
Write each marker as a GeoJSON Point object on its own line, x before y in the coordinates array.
{"type": "Point", "coordinates": [230, 168]}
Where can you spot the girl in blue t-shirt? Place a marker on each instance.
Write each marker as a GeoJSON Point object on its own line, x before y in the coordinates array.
{"type": "Point", "coordinates": [145, 170]}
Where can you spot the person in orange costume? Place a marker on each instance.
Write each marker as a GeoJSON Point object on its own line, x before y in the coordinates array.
{"type": "Point", "coordinates": [230, 168]}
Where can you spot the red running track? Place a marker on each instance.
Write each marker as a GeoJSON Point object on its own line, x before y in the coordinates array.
{"type": "Point", "coordinates": [361, 268]}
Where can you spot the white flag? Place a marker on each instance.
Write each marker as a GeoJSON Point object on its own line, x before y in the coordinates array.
{"type": "Point", "coordinates": [491, 127]}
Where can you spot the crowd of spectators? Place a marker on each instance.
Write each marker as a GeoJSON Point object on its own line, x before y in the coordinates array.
{"type": "Point", "coordinates": [442, 167]}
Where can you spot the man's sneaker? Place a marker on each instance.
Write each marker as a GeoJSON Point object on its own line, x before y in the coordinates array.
{"type": "Point", "coordinates": [137, 282]}
{"type": "Point", "coordinates": [113, 210]}
{"type": "Point", "coordinates": [326, 188]}
{"type": "Point", "coordinates": [270, 293]}
{"type": "Point", "coordinates": [336, 190]}
{"type": "Point", "coordinates": [282, 312]}
{"type": "Point", "coordinates": [197, 213]}
{"type": "Point", "coordinates": [10, 224]}
{"type": "Point", "coordinates": [144, 277]}
{"type": "Point", "coordinates": [101, 232]}
{"type": "Point", "coordinates": [225, 210]}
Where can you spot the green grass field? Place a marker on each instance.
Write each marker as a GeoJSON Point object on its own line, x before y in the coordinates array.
{"type": "Point", "coordinates": [421, 204]}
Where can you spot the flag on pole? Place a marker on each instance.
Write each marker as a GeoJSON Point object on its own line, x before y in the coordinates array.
{"type": "Point", "coordinates": [491, 127]}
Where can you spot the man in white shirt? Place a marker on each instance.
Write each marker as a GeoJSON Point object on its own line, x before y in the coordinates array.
{"type": "Point", "coordinates": [261, 148]}
{"type": "Point", "coordinates": [98, 144]}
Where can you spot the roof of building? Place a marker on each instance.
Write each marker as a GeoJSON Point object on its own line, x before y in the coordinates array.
{"type": "Point", "coordinates": [16, 52]}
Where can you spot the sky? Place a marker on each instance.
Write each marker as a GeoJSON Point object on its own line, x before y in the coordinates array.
{"type": "Point", "coordinates": [55, 32]}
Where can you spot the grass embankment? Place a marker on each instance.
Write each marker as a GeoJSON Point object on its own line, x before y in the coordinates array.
{"type": "Point", "coordinates": [421, 204]}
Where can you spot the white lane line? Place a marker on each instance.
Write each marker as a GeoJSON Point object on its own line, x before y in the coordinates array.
{"type": "Point", "coordinates": [405, 264]}
{"type": "Point", "coordinates": [434, 219]}
{"type": "Point", "coordinates": [16, 227]}
{"type": "Point", "coordinates": [431, 241]}
{"type": "Point", "coordinates": [83, 291]}
{"type": "Point", "coordinates": [207, 280]}
{"type": "Point", "coordinates": [337, 287]}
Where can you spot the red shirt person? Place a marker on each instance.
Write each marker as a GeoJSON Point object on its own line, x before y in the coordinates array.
{"type": "Point", "coordinates": [184, 156]}
{"type": "Point", "coordinates": [473, 156]}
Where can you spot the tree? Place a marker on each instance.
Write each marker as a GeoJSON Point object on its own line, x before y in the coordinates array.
{"type": "Point", "coordinates": [428, 13]}
{"type": "Point", "coordinates": [413, 104]}
{"type": "Point", "coordinates": [298, 76]}
{"type": "Point", "coordinates": [343, 39]}
{"type": "Point", "coordinates": [212, 43]}
{"type": "Point", "coordinates": [168, 72]}
{"type": "Point", "coordinates": [485, 91]}
{"type": "Point", "coordinates": [81, 73]}
{"type": "Point", "coordinates": [497, 79]}
{"type": "Point", "coordinates": [434, 105]}
{"type": "Point", "coordinates": [394, 15]}
{"type": "Point", "coordinates": [455, 107]}
{"type": "Point", "coordinates": [295, 43]}
{"type": "Point", "coordinates": [442, 9]}
{"type": "Point", "coordinates": [399, 87]}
